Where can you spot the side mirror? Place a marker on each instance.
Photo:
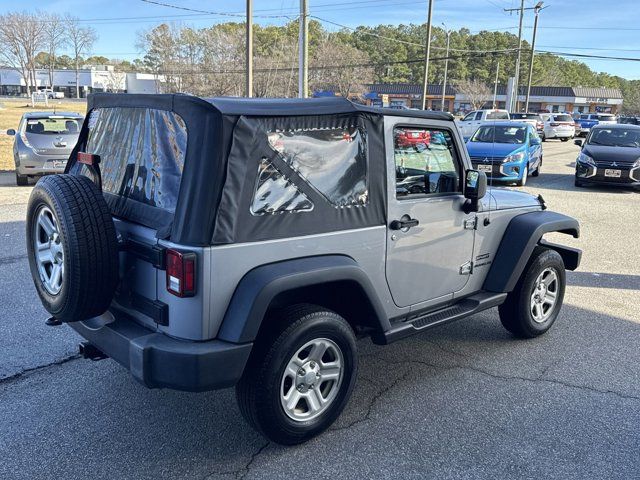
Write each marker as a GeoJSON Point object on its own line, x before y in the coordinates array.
{"type": "Point", "coordinates": [475, 187]}
{"type": "Point", "coordinates": [578, 142]}
{"type": "Point", "coordinates": [535, 141]}
{"type": "Point", "coordinates": [11, 131]}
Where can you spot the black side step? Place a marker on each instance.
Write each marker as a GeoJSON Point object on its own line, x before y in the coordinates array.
{"type": "Point", "coordinates": [420, 321]}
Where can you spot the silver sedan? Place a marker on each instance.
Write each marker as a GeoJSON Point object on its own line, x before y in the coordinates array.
{"type": "Point", "coordinates": [43, 143]}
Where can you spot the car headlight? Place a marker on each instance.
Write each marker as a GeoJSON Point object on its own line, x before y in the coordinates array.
{"type": "Point", "coordinates": [636, 164]}
{"type": "Point", "coordinates": [584, 158]}
{"type": "Point", "coordinates": [515, 157]}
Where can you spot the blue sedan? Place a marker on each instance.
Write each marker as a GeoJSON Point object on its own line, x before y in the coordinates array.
{"type": "Point", "coordinates": [506, 151]}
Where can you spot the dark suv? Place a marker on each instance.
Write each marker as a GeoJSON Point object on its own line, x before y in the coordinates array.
{"type": "Point", "coordinates": [209, 243]}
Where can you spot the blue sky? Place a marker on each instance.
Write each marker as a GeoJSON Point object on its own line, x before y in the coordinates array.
{"type": "Point", "coordinates": [572, 26]}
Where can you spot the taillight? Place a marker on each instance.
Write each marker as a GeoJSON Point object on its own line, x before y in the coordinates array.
{"type": "Point", "coordinates": [181, 273]}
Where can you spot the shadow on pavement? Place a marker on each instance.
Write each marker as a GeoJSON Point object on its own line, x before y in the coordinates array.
{"type": "Point", "coordinates": [604, 280]}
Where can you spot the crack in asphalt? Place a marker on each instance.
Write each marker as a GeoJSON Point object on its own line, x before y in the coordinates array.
{"type": "Point", "coordinates": [373, 401]}
{"type": "Point", "coordinates": [514, 377]}
{"type": "Point", "coordinates": [12, 259]}
{"type": "Point", "coordinates": [243, 471]}
{"type": "Point", "coordinates": [26, 371]}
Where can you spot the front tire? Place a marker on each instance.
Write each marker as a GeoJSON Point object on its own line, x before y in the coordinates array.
{"type": "Point", "coordinates": [533, 305]}
{"type": "Point", "coordinates": [536, 173]}
{"type": "Point", "coordinates": [300, 375]}
{"type": "Point", "coordinates": [525, 174]}
{"type": "Point", "coordinates": [565, 139]}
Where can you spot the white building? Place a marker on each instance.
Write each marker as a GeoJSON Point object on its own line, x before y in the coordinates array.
{"type": "Point", "coordinates": [91, 80]}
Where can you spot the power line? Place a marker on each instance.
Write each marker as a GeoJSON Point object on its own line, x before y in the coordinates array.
{"type": "Point", "coordinates": [208, 12]}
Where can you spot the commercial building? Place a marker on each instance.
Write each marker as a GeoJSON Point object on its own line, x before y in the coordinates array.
{"type": "Point", "coordinates": [96, 79]}
{"type": "Point", "coordinates": [551, 99]}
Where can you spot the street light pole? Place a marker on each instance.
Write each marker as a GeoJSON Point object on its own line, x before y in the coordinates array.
{"type": "Point", "coordinates": [428, 52]}
{"type": "Point", "coordinates": [446, 67]}
{"type": "Point", "coordinates": [249, 59]}
{"type": "Point", "coordinates": [516, 82]}
{"type": "Point", "coordinates": [537, 9]}
{"type": "Point", "coordinates": [303, 58]}
{"type": "Point", "coordinates": [495, 86]}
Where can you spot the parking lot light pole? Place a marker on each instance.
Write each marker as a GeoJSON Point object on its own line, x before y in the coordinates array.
{"type": "Point", "coordinates": [516, 83]}
{"type": "Point", "coordinates": [536, 9]}
{"type": "Point", "coordinates": [446, 67]}
{"type": "Point", "coordinates": [427, 53]}
{"type": "Point", "coordinates": [303, 58]}
{"type": "Point", "coordinates": [249, 60]}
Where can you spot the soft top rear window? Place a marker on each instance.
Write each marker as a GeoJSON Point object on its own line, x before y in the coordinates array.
{"type": "Point", "coordinates": [142, 152]}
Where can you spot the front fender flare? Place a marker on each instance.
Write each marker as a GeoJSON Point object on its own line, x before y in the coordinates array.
{"type": "Point", "coordinates": [261, 285]}
{"type": "Point", "coordinates": [521, 236]}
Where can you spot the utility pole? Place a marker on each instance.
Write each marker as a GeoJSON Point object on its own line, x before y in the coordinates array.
{"type": "Point", "coordinates": [303, 54]}
{"type": "Point", "coordinates": [495, 86]}
{"type": "Point", "coordinates": [428, 52]}
{"type": "Point", "coordinates": [517, 74]}
{"type": "Point", "coordinates": [536, 9]}
{"type": "Point", "coordinates": [249, 60]}
{"type": "Point", "coordinates": [446, 66]}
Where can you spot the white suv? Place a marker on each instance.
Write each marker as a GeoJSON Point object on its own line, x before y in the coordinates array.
{"type": "Point", "coordinates": [558, 125]}
{"type": "Point", "coordinates": [470, 123]}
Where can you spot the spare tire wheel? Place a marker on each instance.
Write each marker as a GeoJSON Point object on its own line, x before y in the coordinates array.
{"type": "Point", "coordinates": [72, 247]}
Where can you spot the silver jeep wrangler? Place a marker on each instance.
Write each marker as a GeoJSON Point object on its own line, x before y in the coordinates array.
{"type": "Point", "coordinates": [209, 243]}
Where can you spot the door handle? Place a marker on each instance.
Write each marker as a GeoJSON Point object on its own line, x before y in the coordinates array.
{"type": "Point", "coordinates": [402, 224]}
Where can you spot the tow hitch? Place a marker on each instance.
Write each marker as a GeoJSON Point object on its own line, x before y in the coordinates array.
{"type": "Point", "coordinates": [88, 350]}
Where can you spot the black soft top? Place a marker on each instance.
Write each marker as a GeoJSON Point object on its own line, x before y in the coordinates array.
{"type": "Point", "coordinates": [226, 140]}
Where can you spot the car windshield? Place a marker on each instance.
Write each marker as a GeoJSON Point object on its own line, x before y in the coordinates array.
{"type": "Point", "coordinates": [497, 116]}
{"type": "Point", "coordinates": [606, 118]}
{"type": "Point", "coordinates": [56, 125]}
{"type": "Point", "coordinates": [615, 137]}
{"type": "Point", "coordinates": [500, 134]}
{"type": "Point", "coordinates": [525, 116]}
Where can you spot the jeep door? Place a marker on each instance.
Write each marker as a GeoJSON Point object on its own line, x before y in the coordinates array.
{"type": "Point", "coordinates": [429, 237]}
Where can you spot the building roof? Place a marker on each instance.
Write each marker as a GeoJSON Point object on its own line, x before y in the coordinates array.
{"type": "Point", "coordinates": [597, 92]}
{"type": "Point", "coordinates": [536, 90]}
{"type": "Point", "coordinates": [409, 89]}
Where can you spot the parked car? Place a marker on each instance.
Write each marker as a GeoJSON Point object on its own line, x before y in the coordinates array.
{"type": "Point", "coordinates": [610, 156]}
{"type": "Point", "coordinates": [43, 143]}
{"type": "Point", "coordinates": [586, 121]}
{"type": "Point", "coordinates": [470, 123]}
{"type": "Point", "coordinates": [558, 125]}
{"type": "Point", "coordinates": [533, 119]}
{"type": "Point", "coordinates": [51, 94]}
{"type": "Point", "coordinates": [506, 151]}
{"type": "Point", "coordinates": [209, 243]}
{"type": "Point", "coordinates": [407, 137]}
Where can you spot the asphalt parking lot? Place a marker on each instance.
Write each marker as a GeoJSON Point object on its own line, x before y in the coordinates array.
{"type": "Point", "coordinates": [466, 400]}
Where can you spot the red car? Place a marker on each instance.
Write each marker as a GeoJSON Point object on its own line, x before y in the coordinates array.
{"type": "Point", "coordinates": [412, 138]}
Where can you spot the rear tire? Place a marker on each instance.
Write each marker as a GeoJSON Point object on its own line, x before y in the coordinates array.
{"type": "Point", "coordinates": [280, 371]}
{"type": "Point", "coordinates": [21, 180]}
{"type": "Point", "coordinates": [72, 247]}
{"type": "Point", "coordinates": [531, 309]}
{"type": "Point", "coordinates": [564, 139]}
{"type": "Point", "coordinates": [578, 183]}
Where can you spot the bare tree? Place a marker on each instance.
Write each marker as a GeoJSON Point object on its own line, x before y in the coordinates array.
{"type": "Point", "coordinates": [54, 39]}
{"type": "Point", "coordinates": [161, 47]}
{"type": "Point", "coordinates": [21, 36]}
{"type": "Point", "coordinates": [341, 67]}
{"type": "Point", "coordinates": [81, 40]}
{"type": "Point", "coordinates": [476, 92]}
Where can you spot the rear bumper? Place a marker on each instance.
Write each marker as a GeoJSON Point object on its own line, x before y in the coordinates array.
{"type": "Point", "coordinates": [159, 361]}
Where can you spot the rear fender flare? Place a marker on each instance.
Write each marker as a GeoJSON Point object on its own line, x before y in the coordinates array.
{"type": "Point", "coordinates": [260, 286]}
{"type": "Point", "coordinates": [521, 236]}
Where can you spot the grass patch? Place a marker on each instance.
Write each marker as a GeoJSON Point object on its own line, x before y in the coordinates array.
{"type": "Point", "coordinates": [10, 116]}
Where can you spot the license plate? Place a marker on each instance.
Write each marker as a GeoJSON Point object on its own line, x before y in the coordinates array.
{"type": "Point", "coordinates": [484, 168]}
{"type": "Point", "coordinates": [59, 163]}
{"type": "Point", "coordinates": [612, 173]}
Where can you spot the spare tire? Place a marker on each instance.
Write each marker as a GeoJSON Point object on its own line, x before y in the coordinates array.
{"type": "Point", "coordinates": [72, 247]}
